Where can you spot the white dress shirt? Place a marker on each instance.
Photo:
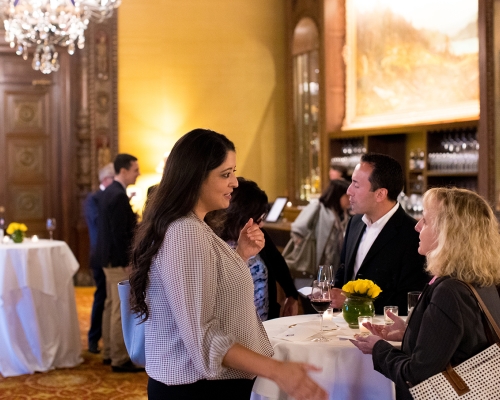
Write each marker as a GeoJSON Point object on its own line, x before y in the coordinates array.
{"type": "Point", "coordinates": [201, 302]}
{"type": "Point", "coordinates": [371, 232]}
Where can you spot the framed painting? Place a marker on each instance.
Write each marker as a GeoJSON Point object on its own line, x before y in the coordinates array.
{"type": "Point", "coordinates": [411, 62]}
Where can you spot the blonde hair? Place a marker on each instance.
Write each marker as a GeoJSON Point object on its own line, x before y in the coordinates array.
{"type": "Point", "coordinates": [468, 241]}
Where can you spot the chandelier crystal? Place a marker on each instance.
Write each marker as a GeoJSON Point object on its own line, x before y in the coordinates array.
{"type": "Point", "coordinates": [45, 24]}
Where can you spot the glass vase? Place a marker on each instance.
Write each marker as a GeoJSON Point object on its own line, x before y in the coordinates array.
{"type": "Point", "coordinates": [17, 236]}
{"type": "Point", "coordinates": [355, 307]}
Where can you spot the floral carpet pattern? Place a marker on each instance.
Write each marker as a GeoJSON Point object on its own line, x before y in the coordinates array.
{"type": "Point", "coordinates": [89, 381]}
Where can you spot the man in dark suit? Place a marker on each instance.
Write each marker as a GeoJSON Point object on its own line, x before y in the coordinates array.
{"type": "Point", "coordinates": [116, 225]}
{"type": "Point", "coordinates": [91, 212]}
{"type": "Point", "coordinates": [380, 242]}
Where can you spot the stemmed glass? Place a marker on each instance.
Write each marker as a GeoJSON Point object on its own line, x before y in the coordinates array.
{"type": "Point", "coordinates": [320, 301]}
{"type": "Point", "coordinates": [325, 274]}
{"type": "Point", "coordinates": [51, 227]}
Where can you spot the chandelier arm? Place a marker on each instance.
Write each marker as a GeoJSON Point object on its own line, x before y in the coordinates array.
{"type": "Point", "coordinates": [44, 24]}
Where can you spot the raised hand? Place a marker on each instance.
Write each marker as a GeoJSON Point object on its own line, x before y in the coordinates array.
{"type": "Point", "coordinates": [365, 343]}
{"type": "Point", "coordinates": [251, 240]}
{"type": "Point", "coordinates": [394, 332]}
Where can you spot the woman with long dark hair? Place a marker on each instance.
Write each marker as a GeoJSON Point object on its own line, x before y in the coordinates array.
{"type": "Point", "coordinates": [194, 292]}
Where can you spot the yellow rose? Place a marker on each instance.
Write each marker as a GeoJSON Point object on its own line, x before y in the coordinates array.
{"type": "Point", "coordinates": [16, 226]}
{"type": "Point", "coordinates": [362, 288]}
{"type": "Point", "coordinates": [374, 291]}
{"type": "Point", "coordinates": [348, 287]}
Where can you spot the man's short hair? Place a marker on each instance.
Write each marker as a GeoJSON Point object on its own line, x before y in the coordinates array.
{"type": "Point", "coordinates": [387, 174]}
{"type": "Point", "coordinates": [123, 160]}
{"type": "Point", "coordinates": [108, 171]}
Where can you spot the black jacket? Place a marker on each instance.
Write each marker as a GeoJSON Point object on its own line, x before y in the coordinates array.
{"type": "Point", "coordinates": [392, 262]}
{"type": "Point", "coordinates": [444, 327]}
{"type": "Point", "coordinates": [277, 271]}
{"type": "Point", "coordinates": [116, 225]}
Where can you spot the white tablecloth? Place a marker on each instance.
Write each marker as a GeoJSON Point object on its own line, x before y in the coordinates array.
{"type": "Point", "coordinates": [347, 373]}
{"type": "Point", "coordinates": [38, 321]}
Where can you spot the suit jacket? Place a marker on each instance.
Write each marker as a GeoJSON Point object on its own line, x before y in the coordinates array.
{"type": "Point", "coordinates": [277, 271]}
{"type": "Point", "coordinates": [392, 262]}
{"type": "Point", "coordinates": [444, 327]}
{"type": "Point", "coordinates": [91, 212]}
{"type": "Point", "coordinates": [116, 225]}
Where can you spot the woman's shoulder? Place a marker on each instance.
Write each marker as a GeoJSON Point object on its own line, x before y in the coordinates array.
{"type": "Point", "coordinates": [446, 286]}
{"type": "Point", "coordinates": [187, 225]}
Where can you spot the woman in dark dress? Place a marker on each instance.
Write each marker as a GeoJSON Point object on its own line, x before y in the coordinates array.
{"type": "Point", "coordinates": [459, 235]}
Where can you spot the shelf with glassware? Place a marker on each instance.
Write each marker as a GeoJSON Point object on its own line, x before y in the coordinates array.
{"type": "Point", "coordinates": [453, 156]}
{"type": "Point", "coordinates": [431, 156]}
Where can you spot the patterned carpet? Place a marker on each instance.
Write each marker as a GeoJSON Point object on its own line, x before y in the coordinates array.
{"type": "Point", "coordinates": [89, 381]}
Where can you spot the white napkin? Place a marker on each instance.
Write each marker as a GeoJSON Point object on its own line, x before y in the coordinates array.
{"type": "Point", "coordinates": [305, 291]}
{"type": "Point", "coordinates": [304, 330]}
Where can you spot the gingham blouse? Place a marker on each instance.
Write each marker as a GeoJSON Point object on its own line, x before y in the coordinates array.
{"type": "Point", "coordinates": [200, 300]}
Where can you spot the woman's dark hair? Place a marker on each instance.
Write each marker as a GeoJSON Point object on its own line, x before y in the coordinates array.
{"type": "Point", "coordinates": [247, 201]}
{"type": "Point", "coordinates": [192, 158]}
{"type": "Point", "coordinates": [332, 195]}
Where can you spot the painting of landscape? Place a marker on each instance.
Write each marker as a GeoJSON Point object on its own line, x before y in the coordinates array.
{"type": "Point", "coordinates": [413, 60]}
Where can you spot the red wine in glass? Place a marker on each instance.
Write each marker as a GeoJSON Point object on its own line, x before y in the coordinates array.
{"type": "Point", "coordinates": [320, 305]}
{"type": "Point", "coordinates": [320, 300]}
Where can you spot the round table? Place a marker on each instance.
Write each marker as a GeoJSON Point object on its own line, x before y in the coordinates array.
{"type": "Point", "coordinates": [39, 327]}
{"type": "Point", "coordinates": [347, 373]}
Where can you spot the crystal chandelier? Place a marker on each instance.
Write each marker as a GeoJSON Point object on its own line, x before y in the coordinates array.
{"type": "Point", "coordinates": [45, 24]}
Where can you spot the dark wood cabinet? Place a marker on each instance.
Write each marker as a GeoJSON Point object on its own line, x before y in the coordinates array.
{"type": "Point", "coordinates": [478, 172]}
{"type": "Point", "coordinates": [56, 131]}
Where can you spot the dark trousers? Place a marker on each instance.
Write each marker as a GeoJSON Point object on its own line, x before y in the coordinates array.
{"type": "Point", "coordinates": [95, 331]}
{"type": "Point", "coordinates": [224, 389]}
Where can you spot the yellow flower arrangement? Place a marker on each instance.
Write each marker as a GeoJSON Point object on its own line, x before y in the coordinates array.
{"type": "Point", "coordinates": [361, 288]}
{"type": "Point", "coordinates": [16, 231]}
{"type": "Point", "coordinates": [16, 226]}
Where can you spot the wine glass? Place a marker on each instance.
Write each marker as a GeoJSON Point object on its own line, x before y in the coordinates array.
{"type": "Point", "coordinates": [320, 301]}
{"type": "Point", "coordinates": [325, 274]}
{"type": "Point", "coordinates": [51, 227]}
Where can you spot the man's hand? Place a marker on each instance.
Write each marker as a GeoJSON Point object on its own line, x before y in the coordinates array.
{"type": "Point", "coordinates": [337, 298]}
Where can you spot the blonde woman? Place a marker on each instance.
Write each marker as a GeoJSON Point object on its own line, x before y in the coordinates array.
{"type": "Point", "coordinates": [459, 235]}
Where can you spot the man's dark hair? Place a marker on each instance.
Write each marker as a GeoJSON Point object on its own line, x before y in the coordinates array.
{"type": "Point", "coordinates": [123, 160]}
{"type": "Point", "coordinates": [387, 173]}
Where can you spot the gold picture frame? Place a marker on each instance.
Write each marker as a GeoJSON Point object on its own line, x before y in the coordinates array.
{"type": "Point", "coordinates": [410, 63]}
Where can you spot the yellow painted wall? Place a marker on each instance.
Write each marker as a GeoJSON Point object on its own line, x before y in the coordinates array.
{"type": "Point", "coordinates": [215, 64]}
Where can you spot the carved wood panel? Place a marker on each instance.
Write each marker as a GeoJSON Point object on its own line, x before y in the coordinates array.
{"type": "Point", "coordinates": [26, 149]}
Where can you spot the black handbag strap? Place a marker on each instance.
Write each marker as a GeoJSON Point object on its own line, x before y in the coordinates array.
{"type": "Point", "coordinates": [484, 311]}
